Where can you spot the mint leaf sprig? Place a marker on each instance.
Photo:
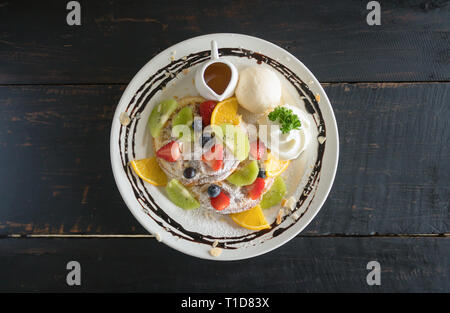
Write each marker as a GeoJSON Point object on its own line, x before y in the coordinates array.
{"type": "Point", "coordinates": [287, 119]}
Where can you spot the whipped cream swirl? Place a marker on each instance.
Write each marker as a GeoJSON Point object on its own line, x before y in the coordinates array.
{"type": "Point", "coordinates": [290, 145]}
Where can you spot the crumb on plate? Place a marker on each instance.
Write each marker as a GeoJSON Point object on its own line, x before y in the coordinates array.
{"type": "Point", "coordinates": [289, 203]}
{"type": "Point", "coordinates": [279, 216]}
{"type": "Point", "coordinates": [124, 119]}
{"type": "Point", "coordinates": [317, 97]}
{"type": "Point", "coordinates": [215, 252]}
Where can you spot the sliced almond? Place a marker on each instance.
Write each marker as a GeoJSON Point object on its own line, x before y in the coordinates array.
{"type": "Point", "coordinates": [317, 97]}
{"type": "Point", "coordinates": [124, 119]}
{"type": "Point", "coordinates": [279, 216]}
{"type": "Point", "coordinates": [290, 203]}
{"type": "Point", "coordinates": [215, 252]}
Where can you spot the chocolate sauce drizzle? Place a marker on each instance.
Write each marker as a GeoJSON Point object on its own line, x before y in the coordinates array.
{"type": "Point", "coordinates": [157, 82]}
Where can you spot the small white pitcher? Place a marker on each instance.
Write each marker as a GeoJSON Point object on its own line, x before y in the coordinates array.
{"type": "Point", "coordinates": [203, 88]}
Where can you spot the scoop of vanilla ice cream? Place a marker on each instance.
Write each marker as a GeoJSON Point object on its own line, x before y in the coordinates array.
{"type": "Point", "coordinates": [258, 89]}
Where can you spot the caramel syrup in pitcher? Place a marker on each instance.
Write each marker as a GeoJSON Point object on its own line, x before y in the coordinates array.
{"type": "Point", "coordinates": [217, 76]}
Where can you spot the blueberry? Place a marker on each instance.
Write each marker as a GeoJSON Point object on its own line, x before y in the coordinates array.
{"type": "Point", "coordinates": [189, 172]}
{"type": "Point", "coordinates": [262, 173]}
{"type": "Point", "coordinates": [198, 125]}
{"type": "Point", "coordinates": [213, 191]}
{"type": "Point", "coordinates": [205, 139]}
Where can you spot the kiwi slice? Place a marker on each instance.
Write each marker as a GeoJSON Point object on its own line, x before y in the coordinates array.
{"type": "Point", "coordinates": [180, 196]}
{"type": "Point", "coordinates": [236, 140]}
{"type": "Point", "coordinates": [245, 175]}
{"type": "Point", "coordinates": [275, 194]}
{"type": "Point", "coordinates": [159, 116]}
{"type": "Point", "coordinates": [183, 117]}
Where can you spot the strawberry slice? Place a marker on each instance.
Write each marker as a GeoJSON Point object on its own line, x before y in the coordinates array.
{"type": "Point", "coordinates": [169, 152]}
{"type": "Point", "coordinates": [257, 149]}
{"type": "Point", "coordinates": [206, 108]}
{"type": "Point", "coordinates": [256, 189]}
{"type": "Point", "coordinates": [214, 157]}
{"type": "Point", "coordinates": [220, 202]}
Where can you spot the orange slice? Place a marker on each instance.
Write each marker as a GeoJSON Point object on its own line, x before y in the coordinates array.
{"type": "Point", "coordinates": [225, 112]}
{"type": "Point", "coordinates": [274, 166]}
{"type": "Point", "coordinates": [253, 219]}
{"type": "Point", "coordinates": [149, 170]}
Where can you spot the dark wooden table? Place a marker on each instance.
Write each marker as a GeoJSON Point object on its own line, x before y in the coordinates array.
{"type": "Point", "coordinates": [390, 89]}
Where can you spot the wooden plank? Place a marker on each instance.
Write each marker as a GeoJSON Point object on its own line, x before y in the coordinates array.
{"type": "Point", "coordinates": [116, 38]}
{"type": "Point", "coordinates": [394, 160]}
{"type": "Point", "coordinates": [302, 265]}
{"type": "Point", "coordinates": [58, 178]}
{"type": "Point", "coordinates": [392, 175]}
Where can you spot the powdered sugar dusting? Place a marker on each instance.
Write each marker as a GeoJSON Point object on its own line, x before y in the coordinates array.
{"type": "Point", "coordinates": [206, 221]}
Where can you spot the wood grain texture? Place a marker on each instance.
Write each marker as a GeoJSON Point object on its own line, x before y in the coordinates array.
{"type": "Point", "coordinates": [392, 176]}
{"type": "Point", "coordinates": [116, 38]}
{"type": "Point", "coordinates": [394, 160]}
{"type": "Point", "coordinates": [301, 265]}
{"type": "Point", "coordinates": [59, 86]}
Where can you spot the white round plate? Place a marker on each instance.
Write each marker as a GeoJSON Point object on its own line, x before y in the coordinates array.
{"type": "Point", "coordinates": [170, 73]}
